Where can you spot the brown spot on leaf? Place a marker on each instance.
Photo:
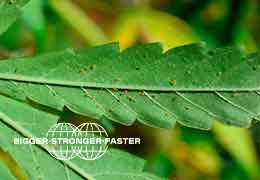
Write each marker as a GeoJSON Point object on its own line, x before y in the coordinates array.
{"type": "Point", "coordinates": [235, 94]}
{"type": "Point", "coordinates": [142, 93]}
{"type": "Point", "coordinates": [173, 82]}
{"type": "Point", "coordinates": [167, 114]}
{"type": "Point", "coordinates": [87, 68]}
{"type": "Point", "coordinates": [86, 94]}
{"type": "Point", "coordinates": [131, 98]}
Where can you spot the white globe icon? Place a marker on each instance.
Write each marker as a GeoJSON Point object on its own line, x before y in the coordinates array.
{"type": "Point", "coordinates": [96, 149]}
{"type": "Point", "coordinates": [60, 150]}
{"type": "Point", "coordinates": [87, 141]}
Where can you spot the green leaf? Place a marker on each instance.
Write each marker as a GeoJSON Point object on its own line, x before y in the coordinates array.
{"type": "Point", "coordinates": [86, 67]}
{"type": "Point", "coordinates": [148, 23]}
{"type": "Point", "coordinates": [10, 10]}
{"type": "Point", "coordinates": [239, 144]}
{"type": "Point", "coordinates": [34, 18]}
{"type": "Point", "coordinates": [30, 122]}
{"type": "Point", "coordinates": [5, 173]}
{"type": "Point", "coordinates": [189, 84]}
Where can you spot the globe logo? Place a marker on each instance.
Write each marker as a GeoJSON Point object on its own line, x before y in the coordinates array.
{"type": "Point", "coordinates": [95, 150]}
{"type": "Point", "coordinates": [87, 141]}
{"type": "Point", "coordinates": [62, 151]}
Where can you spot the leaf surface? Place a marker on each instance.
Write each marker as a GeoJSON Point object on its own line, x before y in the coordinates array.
{"type": "Point", "coordinates": [38, 163]}
{"type": "Point", "coordinates": [5, 173]}
{"type": "Point", "coordinates": [189, 84]}
{"type": "Point", "coordinates": [10, 10]}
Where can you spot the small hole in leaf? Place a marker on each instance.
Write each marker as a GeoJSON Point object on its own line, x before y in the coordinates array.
{"type": "Point", "coordinates": [211, 53]}
{"type": "Point", "coordinates": [11, 1]}
{"type": "Point", "coordinates": [218, 73]}
{"type": "Point", "coordinates": [92, 67]}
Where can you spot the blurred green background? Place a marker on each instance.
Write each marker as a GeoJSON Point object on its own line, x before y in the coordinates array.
{"type": "Point", "coordinates": [181, 153]}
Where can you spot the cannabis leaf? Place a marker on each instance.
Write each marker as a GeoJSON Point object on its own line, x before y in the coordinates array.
{"type": "Point", "coordinates": [5, 173]}
{"type": "Point", "coordinates": [20, 120]}
{"type": "Point", "coordinates": [10, 10]}
{"type": "Point", "coordinates": [190, 84]}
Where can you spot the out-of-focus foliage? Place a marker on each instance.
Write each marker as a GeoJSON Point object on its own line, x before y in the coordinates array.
{"type": "Point", "coordinates": [183, 153]}
{"type": "Point", "coordinates": [148, 25]}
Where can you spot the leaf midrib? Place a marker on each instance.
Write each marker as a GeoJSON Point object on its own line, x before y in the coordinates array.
{"type": "Point", "coordinates": [38, 80]}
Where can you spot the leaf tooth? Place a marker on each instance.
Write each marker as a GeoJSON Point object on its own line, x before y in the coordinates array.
{"type": "Point", "coordinates": [110, 106]}
{"type": "Point", "coordinates": [125, 114]}
{"type": "Point", "coordinates": [225, 112]}
{"type": "Point", "coordinates": [234, 104]}
{"type": "Point", "coordinates": [147, 111]}
{"type": "Point", "coordinates": [188, 114]}
{"type": "Point", "coordinates": [167, 112]}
